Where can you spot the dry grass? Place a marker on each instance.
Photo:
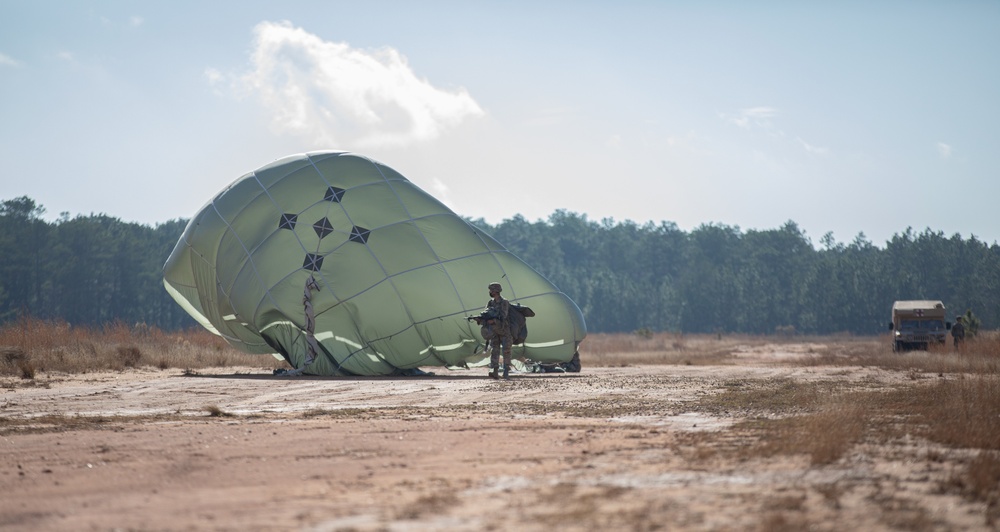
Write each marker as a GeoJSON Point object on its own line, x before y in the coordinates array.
{"type": "Point", "coordinates": [786, 417]}
{"type": "Point", "coordinates": [979, 479]}
{"type": "Point", "coordinates": [215, 411]}
{"type": "Point", "coordinates": [63, 423]}
{"type": "Point", "coordinates": [978, 356]}
{"type": "Point", "coordinates": [963, 412]}
{"type": "Point", "coordinates": [644, 347]}
{"type": "Point", "coordinates": [824, 422]}
{"type": "Point", "coordinates": [28, 346]}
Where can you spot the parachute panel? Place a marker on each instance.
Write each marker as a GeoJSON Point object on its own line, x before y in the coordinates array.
{"type": "Point", "coordinates": [348, 172]}
{"type": "Point", "coordinates": [449, 236]}
{"type": "Point", "coordinates": [297, 191]}
{"type": "Point", "coordinates": [418, 203]}
{"type": "Point", "coordinates": [350, 270]}
{"type": "Point", "coordinates": [374, 206]}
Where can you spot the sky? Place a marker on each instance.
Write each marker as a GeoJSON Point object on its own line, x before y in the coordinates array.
{"type": "Point", "coordinates": [855, 119]}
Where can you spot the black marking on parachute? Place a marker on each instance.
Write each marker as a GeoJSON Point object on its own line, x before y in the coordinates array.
{"type": "Point", "coordinates": [313, 262]}
{"type": "Point", "coordinates": [288, 221]}
{"type": "Point", "coordinates": [359, 234]}
{"type": "Point", "coordinates": [334, 194]}
{"type": "Point", "coordinates": [323, 227]}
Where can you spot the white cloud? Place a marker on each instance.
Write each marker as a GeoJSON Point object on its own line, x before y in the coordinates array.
{"type": "Point", "coordinates": [810, 148]}
{"type": "Point", "coordinates": [6, 60]}
{"type": "Point", "coordinates": [759, 118]}
{"type": "Point", "coordinates": [338, 94]}
{"type": "Point", "coordinates": [944, 150]}
{"type": "Point", "coordinates": [215, 79]}
{"type": "Point", "coordinates": [753, 116]}
{"type": "Point", "coordinates": [213, 76]}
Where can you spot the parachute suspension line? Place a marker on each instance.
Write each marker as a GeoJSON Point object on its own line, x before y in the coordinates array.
{"type": "Point", "coordinates": [312, 347]}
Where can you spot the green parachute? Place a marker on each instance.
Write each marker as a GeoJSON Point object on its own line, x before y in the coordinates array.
{"type": "Point", "coordinates": [341, 266]}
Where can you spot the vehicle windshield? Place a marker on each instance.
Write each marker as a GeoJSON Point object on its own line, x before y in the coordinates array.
{"type": "Point", "coordinates": [913, 325]}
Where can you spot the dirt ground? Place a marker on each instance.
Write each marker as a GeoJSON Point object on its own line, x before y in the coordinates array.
{"type": "Point", "coordinates": [623, 448]}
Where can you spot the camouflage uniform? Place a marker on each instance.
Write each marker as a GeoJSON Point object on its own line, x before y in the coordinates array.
{"type": "Point", "coordinates": [499, 330]}
{"type": "Point", "coordinates": [958, 331]}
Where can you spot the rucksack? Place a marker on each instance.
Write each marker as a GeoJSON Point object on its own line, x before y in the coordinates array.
{"type": "Point", "coordinates": [518, 323]}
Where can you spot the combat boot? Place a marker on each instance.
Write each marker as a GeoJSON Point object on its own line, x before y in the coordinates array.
{"type": "Point", "coordinates": [493, 373]}
{"type": "Point", "coordinates": [506, 371]}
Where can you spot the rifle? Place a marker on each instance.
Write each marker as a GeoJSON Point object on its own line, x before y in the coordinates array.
{"type": "Point", "coordinates": [486, 315]}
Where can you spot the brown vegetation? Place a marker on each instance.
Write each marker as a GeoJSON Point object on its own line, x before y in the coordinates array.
{"type": "Point", "coordinates": [30, 345]}
{"type": "Point", "coordinates": [979, 356]}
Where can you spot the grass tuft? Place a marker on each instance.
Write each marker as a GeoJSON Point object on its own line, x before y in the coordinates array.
{"type": "Point", "coordinates": [27, 370]}
{"type": "Point", "coordinates": [215, 411]}
{"type": "Point", "coordinates": [130, 356]}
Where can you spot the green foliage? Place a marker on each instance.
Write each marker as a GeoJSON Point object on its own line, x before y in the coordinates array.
{"type": "Point", "coordinates": [644, 333]}
{"type": "Point", "coordinates": [87, 270]}
{"type": "Point", "coordinates": [971, 323]}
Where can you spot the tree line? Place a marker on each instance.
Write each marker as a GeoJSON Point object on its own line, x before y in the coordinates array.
{"type": "Point", "coordinates": [717, 278]}
{"type": "Point", "coordinates": [88, 270]}
{"type": "Point", "coordinates": [96, 269]}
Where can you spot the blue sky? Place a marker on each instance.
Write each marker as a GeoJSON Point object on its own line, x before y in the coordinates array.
{"type": "Point", "coordinates": [843, 117]}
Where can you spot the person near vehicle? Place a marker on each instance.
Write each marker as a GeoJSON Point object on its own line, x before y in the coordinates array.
{"type": "Point", "coordinates": [499, 331]}
{"type": "Point", "coordinates": [958, 331]}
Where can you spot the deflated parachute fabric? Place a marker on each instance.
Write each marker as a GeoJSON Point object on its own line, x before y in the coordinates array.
{"type": "Point", "coordinates": [341, 266]}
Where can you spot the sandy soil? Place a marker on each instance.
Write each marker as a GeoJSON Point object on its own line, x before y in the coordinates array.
{"type": "Point", "coordinates": [609, 448]}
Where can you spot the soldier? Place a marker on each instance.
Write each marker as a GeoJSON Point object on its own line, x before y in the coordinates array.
{"type": "Point", "coordinates": [499, 330]}
{"type": "Point", "coordinates": [958, 331]}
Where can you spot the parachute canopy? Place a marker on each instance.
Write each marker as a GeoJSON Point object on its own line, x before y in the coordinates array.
{"type": "Point", "coordinates": [341, 266]}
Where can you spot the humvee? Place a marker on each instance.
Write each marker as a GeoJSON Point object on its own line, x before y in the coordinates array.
{"type": "Point", "coordinates": [918, 323]}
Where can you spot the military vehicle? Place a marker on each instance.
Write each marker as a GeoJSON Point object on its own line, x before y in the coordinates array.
{"type": "Point", "coordinates": [915, 324]}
